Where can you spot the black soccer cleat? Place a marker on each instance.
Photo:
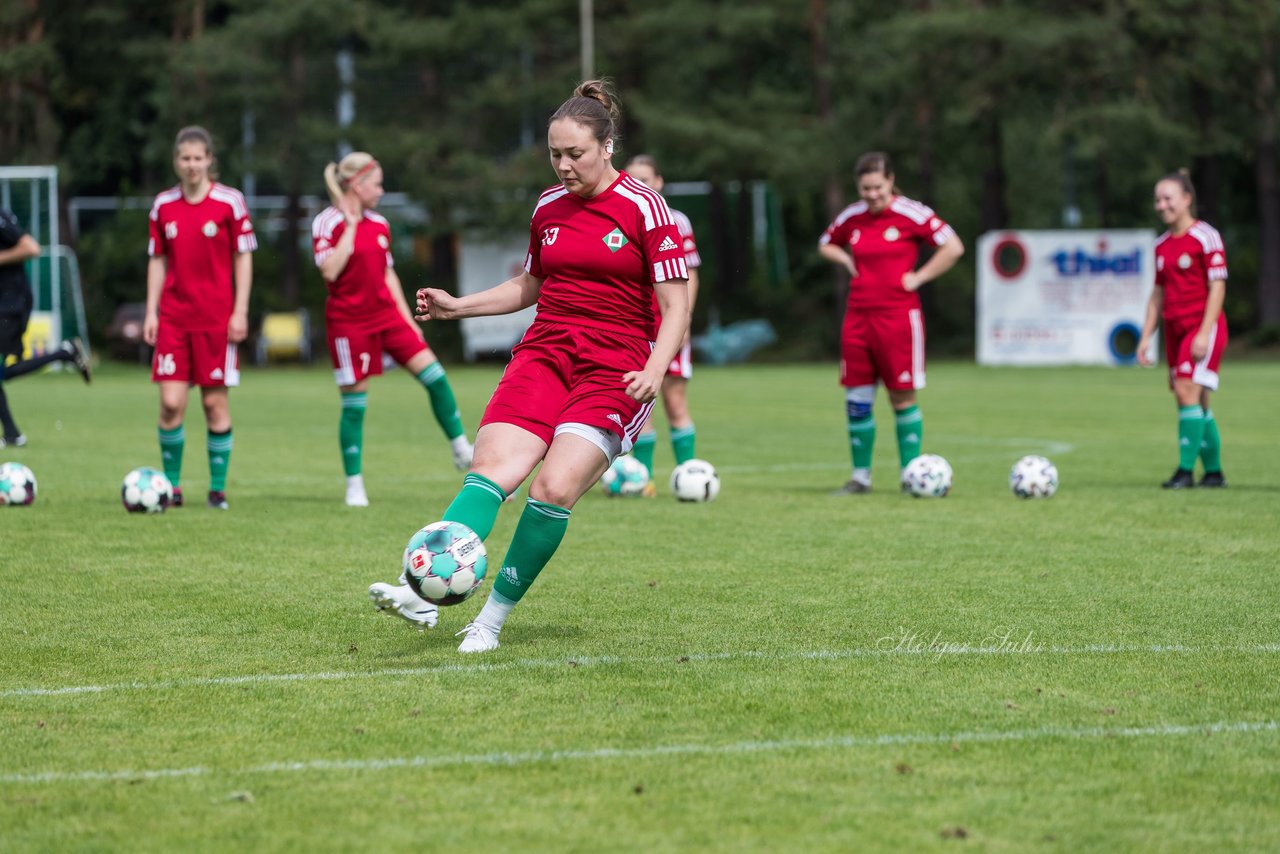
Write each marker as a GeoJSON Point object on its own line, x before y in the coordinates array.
{"type": "Point", "coordinates": [1182, 479]}
{"type": "Point", "coordinates": [75, 347]}
{"type": "Point", "coordinates": [1213, 480]}
{"type": "Point", "coordinates": [217, 500]}
{"type": "Point", "coordinates": [176, 500]}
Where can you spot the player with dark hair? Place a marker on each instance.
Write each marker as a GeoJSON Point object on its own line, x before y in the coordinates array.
{"type": "Point", "coordinates": [1191, 283]}
{"type": "Point", "coordinates": [366, 313]}
{"type": "Point", "coordinates": [16, 301]}
{"type": "Point", "coordinates": [675, 386]}
{"type": "Point", "coordinates": [581, 382]}
{"type": "Point", "coordinates": [878, 241]}
{"type": "Point", "coordinates": [198, 282]}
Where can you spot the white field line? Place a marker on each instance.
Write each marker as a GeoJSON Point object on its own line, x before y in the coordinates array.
{"type": "Point", "coordinates": [657, 751]}
{"type": "Point", "coordinates": [895, 647]}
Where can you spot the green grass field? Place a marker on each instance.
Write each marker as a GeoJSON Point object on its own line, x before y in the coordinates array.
{"type": "Point", "coordinates": [780, 669]}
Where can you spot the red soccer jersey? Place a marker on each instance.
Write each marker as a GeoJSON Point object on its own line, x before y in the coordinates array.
{"type": "Point", "coordinates": [358, 297]}
{"type": "Point", "coordinates": [1185, 265]}
{"type": "Point", "coordinates": [199, 242]}
{"type": "Point", "coordinates": [692, 259]}
{"type": "Point", "coordinates": [885, 247]}
{"type": "Point", "coordinates": [599, 258]}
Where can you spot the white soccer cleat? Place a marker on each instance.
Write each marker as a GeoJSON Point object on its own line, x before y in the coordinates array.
{"type": "Point", "coordinates": [400, 601]}
{"type": "Point", "coordinates": [463, 452]}
{"type": "Point", "coordinates": [356, 496]}
{"type": "Point", "coordinates": [479, 638]}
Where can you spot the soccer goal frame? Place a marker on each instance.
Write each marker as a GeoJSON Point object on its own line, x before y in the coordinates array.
{"type": "Point", "coordinates": [31, 192]}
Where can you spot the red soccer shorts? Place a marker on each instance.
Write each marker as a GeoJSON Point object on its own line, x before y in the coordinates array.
{"type": "Point", "coordinates": [1178, 335]}
{"type": "Point", "coordinates": [206, 359]}
{"type": "Point", "coordinates": [682, 365]}
{"type": "Point", "coordinates": [565, 374]}
{"type": "Point", "coordinates": [357, 353]}
{"type": "Point", "coordinates": [887, 345]}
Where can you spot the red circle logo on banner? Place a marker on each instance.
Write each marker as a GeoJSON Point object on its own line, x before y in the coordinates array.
{"type": "Point", "coordinates": [1008, 258]}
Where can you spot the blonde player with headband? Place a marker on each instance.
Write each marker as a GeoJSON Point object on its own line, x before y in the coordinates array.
{"type": "Point", "coordinates": [366, 313]}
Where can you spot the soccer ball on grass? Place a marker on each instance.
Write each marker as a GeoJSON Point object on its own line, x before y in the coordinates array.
{"type": "Point", "coordinates": [1033, 477]}
{"type": "Point", "coordinates": [445, 562]}
{"type": "Point", "coordinates": [17, 485]}
{"type": "Point", "coordinates": [627, 476]}
{"type": "Point", "coordinates": [146, 490]}
{"type": "Point", "coordinates": [695, 480]}
{"type": "Point", "coordinates": [927, 476]}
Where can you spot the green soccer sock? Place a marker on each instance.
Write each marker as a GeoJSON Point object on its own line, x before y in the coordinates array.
{"type": "Point", "coordinates": [476, 505]}
{"type": "Point", "coordinates": [682, 443]}
{"type": "Point", "coordinates": [443, 403]}
{"type": "Point", "coordinates": [171, 444]}
{"type": "Point", "coordinates": [537, 537]}
{"type": "Point", "coordinates": [351, 430]}
{"type": "Point", "coordinates": [862, 440]}
{"type": "Point", "coordinates": [1211, 444]}
{"type": "Point", "coordinates": [1190, 435]}
{"type": "Point", "coordinates": [910, 426]}
{"type": "Point", "coordinates": [219, 459]}
{"type": "Point", "coordinates": [643, 449]}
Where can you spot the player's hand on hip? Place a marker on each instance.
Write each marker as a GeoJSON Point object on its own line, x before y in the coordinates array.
{"type": "Point", "coordinates": [911, 281]}
{"type": "Point", "coordinates": [1199, 346]}
{"type": "Point", "coordinates": [643, 386]}
{"type": "Point", "coordinates": [237, 327]}
{"type": "Point", "coordinates": [1144, 352]}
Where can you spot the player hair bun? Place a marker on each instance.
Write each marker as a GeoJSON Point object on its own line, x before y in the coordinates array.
{"type": "Point", "coordinates": [601, 91]}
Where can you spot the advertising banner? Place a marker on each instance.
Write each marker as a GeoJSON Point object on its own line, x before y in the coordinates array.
{"type": "Point", "coordinates": [1062, 297]}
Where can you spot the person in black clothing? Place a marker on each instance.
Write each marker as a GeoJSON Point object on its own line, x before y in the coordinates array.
{"type": "Point", "coordinates": [16, 246]}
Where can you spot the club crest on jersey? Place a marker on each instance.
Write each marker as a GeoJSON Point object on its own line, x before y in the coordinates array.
{"type": "Point", "coordinates": [855, 237]}
{"type": "Point", "coordinates": [170, 230]}
{"type": "Point", "coordinates": [1160, 263]}
{"type": "Point", "coordinates": [549, 235]}
{"type": "Point", "coordinates": [209, 229]}
{"type": "Point", "coordinates": [1184, 261]}
{"type": "Point", "coordinates": [615, 240]}
{"type": "Point", "coordinates": [891, 233]}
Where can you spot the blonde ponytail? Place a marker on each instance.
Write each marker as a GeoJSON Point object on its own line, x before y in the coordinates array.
{"type": "Point", "coordinates": [338, 176]}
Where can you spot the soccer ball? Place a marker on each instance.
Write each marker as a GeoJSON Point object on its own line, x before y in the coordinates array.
{"type": "Point", "coordinates": [1033, 477]}
{"type": "Point", "coordinates": [927, 476]}
{"type": "Point", "coordinates": [445, 562]}
{"type": "Point", "coordinates": [695, 480]}
{"type": "Point", "coordinates": [627, 476]}
{"type": "Point", "coordinates": [17, 485]}
{"type": "Point", "coordinates": [146, 490]}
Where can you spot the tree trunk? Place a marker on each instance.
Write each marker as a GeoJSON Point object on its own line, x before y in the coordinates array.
{"type": "Point", "coordinates": [994, 214]}
{"type": "Point", "coordinates": [1205, 170]}
{"type": "Point", "coordinates": [819, 48]}
{"type": "Point", "coordinates": [1268, 183]}
{"type": "Point", "coordinates": [290, 272]}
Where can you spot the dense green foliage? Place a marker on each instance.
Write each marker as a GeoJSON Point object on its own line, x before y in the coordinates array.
{"type": "Point", "coordinates": [1001, 113]}
{"type": "Point", "coordinates": [740, 675]}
